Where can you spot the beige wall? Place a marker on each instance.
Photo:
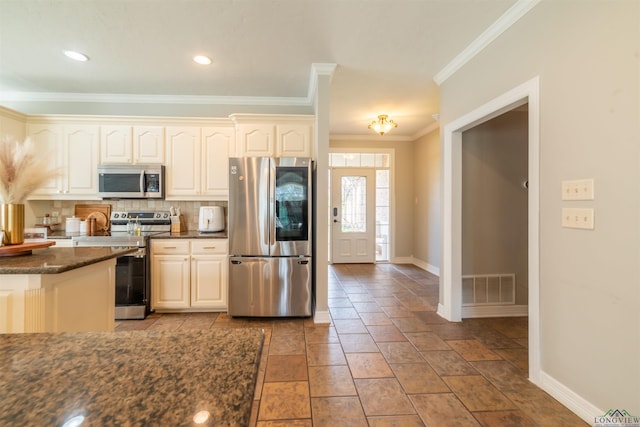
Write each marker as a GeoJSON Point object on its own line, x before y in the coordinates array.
{"type": "Point", "coordinates": [402, 191]}
{"type": "Point", "coordinates": [586, 55]}
{"type": "Point", "coordinates": [494, 203]}
{"type": "Point", "coordinates": [426, 217]}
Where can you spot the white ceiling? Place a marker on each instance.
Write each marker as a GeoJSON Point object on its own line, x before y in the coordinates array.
{"type": "Point", "coordinates": [387, 53]}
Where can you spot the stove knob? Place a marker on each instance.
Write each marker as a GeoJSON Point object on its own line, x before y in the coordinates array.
{"type": "Point", "coordinates": [166, 215]}
{"type": "Point", "coordinates": [158, 215]}
{"type": "Point", "coordinates": [116, 215]}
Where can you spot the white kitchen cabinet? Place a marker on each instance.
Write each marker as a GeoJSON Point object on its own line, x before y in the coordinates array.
{"type": "Point", "coordinates": [132, 144]}
{"type": "Point", "coordinates": [209, 273]}
{"type": "Point", "coordinates": [48, 139]}
{"type": "Point", "coordinates": [273, 135]}
{"type": "Point", "coordinates": [218, 144]}
{"type": "Point", "coordinates": [293, 140]}
{"type": "Point", "coordinates": [198, 161]}
{"type": "Point", "coordinates": [148, 144]}
{"type": "Point", "coordinates": [189, 274]}
{"type": "Point", "coordinates": [74, 150]}
{"type": "Point", "coordinates": [183, 160]}
{"type": "Point", "coordinates": [256, 140]}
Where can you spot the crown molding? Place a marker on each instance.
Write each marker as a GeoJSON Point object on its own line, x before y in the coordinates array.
{"type": "Point", "coordinates": [114, 98]}
{"type": "Point", "coordinates": [129, 120]}
{"type": "Point", "coordinates": [12, 114]}
{"type": "Point", "coordinates": [319, 69]}
{"type": "Point", "coordinates": [510, 17]}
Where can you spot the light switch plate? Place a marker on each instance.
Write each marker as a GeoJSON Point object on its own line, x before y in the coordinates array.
{"type": "Point", "coordinates": [578, 218]}
{"type": "Point", "coordinates": [579, 189]}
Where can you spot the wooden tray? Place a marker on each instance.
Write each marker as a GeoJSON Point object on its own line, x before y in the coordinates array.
{"type": "Point", "coordinates": [86, 211]}
{"type": "Point", "coordinates": [24, 248]}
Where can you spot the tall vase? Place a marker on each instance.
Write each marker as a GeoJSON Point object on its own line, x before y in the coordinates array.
{"type": "Point", "coordinates": [12, 223]}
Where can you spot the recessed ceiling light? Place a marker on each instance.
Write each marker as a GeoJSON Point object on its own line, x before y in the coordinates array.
{"type": "Point", "coordinates": [77, 56]}
{"type": "Point", "coordinates": [202, 60]}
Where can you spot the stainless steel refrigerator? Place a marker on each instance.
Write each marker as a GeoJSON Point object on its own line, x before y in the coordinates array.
{"type": "Point", "coordinates": [270, 208]}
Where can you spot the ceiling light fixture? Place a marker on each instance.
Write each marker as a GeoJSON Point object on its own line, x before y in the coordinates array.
{"type": "Point", "coordinates": [76, 56]}
{"type": "Point", "coordinates": [202, 59]}
{"type": "Point", "coordinates": [382, 125]}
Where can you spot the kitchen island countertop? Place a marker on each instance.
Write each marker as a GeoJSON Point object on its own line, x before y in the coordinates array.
{"type": "Point", "coordinates": [58, 260]}
{"type": "Point", "coordinates": [203, 377]}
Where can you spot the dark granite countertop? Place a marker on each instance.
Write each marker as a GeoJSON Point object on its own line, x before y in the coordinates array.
{"type": "Point", "coordinates": [137, 378]}
{"type": "Point", "coordinates": [58, 260]}
{"type": "Point", "coordinates": [191, 234]}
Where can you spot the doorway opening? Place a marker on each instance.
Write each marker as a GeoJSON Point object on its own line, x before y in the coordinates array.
{"type": "Point", "coordinates": [494, 216]}
{"type": "Point", "coordinates": [450, 305]}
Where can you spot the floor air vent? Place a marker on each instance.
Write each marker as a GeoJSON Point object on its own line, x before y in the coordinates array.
{"type": "Point", "coordinates": [488, 289]}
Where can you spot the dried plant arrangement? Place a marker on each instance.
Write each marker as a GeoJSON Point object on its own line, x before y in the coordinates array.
{"type": "Point", "coordinates": [23, 169]}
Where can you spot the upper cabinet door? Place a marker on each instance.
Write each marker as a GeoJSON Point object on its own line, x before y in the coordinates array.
{"type": "Point", "coordinates": [294, 140]}
{"type": "Point", "coordinates": [256, 140]}
{"type": "Point", "coordinates": [116, 144]}
{"type": "Point", "coordinates": [148, 144]}
{"type": "Point", "coordinates": [81, 144]}
{"type": "Point", "coordinates": [48, 139]}
{"type": "Point", "coordinates": [183, 161]}
{"type": "Point", "coordinates": [218, 144]}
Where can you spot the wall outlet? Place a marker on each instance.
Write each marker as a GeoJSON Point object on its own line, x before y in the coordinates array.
{"type": "Point", "coordinates": [580, 189]}
{"type": "Point", "coordinates": [578, 218]}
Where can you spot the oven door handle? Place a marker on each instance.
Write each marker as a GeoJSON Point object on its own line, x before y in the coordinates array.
{"type": "Point", "coordinates": [140, 253]}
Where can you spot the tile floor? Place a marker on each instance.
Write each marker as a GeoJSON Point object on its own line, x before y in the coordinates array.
{"type": "Point", "coordinates": [387, 359]}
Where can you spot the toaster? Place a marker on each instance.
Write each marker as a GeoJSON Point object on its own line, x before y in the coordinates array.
{"type": "Point", "coordinates": [211, 219]}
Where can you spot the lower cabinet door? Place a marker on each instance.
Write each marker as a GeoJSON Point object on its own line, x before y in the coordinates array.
{"type": "Point", "coordinates": [208, 274]}
{"type": "Point", "coordinates": [170, 281]}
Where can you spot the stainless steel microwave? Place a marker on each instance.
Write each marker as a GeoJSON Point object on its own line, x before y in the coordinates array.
{"type": "Point", "coordinates": [131, 181]}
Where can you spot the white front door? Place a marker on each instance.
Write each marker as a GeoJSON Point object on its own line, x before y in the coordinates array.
{"type": "Point", "coordinates": [352, 215]}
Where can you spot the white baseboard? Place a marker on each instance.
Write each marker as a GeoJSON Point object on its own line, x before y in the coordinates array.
{"type": "Point", "coordinates": [321, 317]}
{"type": "Point", "coordinates": [402, 260]}
{"type": "Point", "coordinates": [495, 311]}
{"type": "Point", "coordinates": [442, 312]}
{"type": "Point", "coordinates": [426, 266]}
{"type": "Point", "coordinates": [563, 394]}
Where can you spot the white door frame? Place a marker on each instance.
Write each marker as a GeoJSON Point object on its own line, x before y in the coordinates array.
{"type": "Point", "coordinates": [450, 306]}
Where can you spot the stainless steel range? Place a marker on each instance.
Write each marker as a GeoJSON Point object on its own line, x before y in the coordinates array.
{"type": "Point", "coordinates": [133, 285]}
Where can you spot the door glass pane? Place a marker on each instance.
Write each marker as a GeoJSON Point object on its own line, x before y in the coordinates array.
{"type": "Point", "coordinates": [292, 213]}
{"type": "Point", "coordinates": [354, 204]}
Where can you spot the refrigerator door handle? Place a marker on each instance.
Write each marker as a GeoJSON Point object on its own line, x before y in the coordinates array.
{"type": "Point", "coordinates": [272, 207]}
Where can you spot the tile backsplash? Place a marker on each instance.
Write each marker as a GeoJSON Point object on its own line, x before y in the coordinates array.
{"type": "Point", "coordinates": [66, 208]}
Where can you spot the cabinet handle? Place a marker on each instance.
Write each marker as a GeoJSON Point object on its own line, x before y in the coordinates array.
{"type": "Point", "coordinates": [209, 247]}
{"type": "Point", "coordinates": [169, 247]}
